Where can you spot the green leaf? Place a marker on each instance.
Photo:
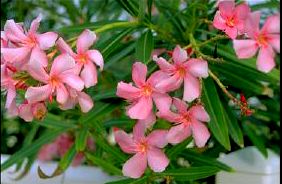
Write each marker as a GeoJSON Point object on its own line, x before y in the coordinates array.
{"type": "Point", "coordinates": [109, 46]}
{"type": "Point", "coordinates": [47, 137]}
{"type": "Point", "coordinates": [204, 160]}
{"type": "Point", "coordinates": [56, 122]}
{"type": "Point", "coordinates": [177, 149]}
{"type": "Point", "coordinates": [192, 173]}
{"type": "Point", "coordinates": [103, 164]}
{"type": "Point", "coordinates": [233, 126]}
{"type": "Point", "coordinates": [218, 124]}
{"type": "Point", "coordinates": [130, 6]}
{"type": "Point", "coordinates": [256, 139]}
{"type": "Point", "coordinates": [81, 139]}
{"type": "Point", "coordinates": [141, 12]}
{"type": "Point", "coordinates": [119, 123]}
{"type": "Point", "coordinates": [144, 47]}
{"type": "Point", "coordinates": [130, 181]}
{"type": "Point", "coordinates": [63, 164]}
{"type": "Point", "coordinates": [149, 6]}
{"type": "Point", "coordinates": [102, 143]}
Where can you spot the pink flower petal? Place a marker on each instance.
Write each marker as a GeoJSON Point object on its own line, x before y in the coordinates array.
{"type": "Point", "coordinates": [12, 111]}
{"type": "Point", "coordinates": [47, 40]}
{"type": "Point", "coordinates": [149, 121]}
{"type": "Point", "coordinates": [157, 138]}
{"type": "Point", "coordinates": [96, 57]}
{"type": "Point", "coordinates": [242, 11]}
{"type": "Point", "coordinates": [85, 102]}
{"type": "Point", "coordinates": [36, 70]}
{"type": "Point", "coordinates": [179, 55]}
{"type": "Point", "coordinates": [73, 81]}
{"type": "Point", "coordinates": [139, 71]}
{"type": "Point", "coordinates": [139, 131]}
{"type": "Point", "coordinates": [226, 8]}
{"type": "Point", "coordinates": [11, 95]}
{"type": "Point", "coordinates": [127, 91]}
{"type": "Point", "coordinates": [89, 75]}
{"type": "Point", "coordinates": [14, 32]}
{"type": "Point", "coordinates": [219, 22]}
{"type": "Point", "coordinates": [140, 109]}
{"type": "Point", "coordinates": [62, 94]}
{"type": "Point", "coordinates": [169, 84]}
{"type": "Point", "coordinates": [156, 77]}
{"type": "Point", "coordinates": [135, 166]}
{"type": "Point", "coordinates": [38, 56]}
{"type": "Point", "coordinates": [265, 60]}
{"type": "Point", "coordinates": [61, 64]}
{"type": "Point", "coordinates": [198, 68]}
{"type": "Point", "coordinates": [232, 32]}
{"type": "Point", "coordinates": [178, 133]}
{"type": "Point", "coordinates": [157, 160]}
{"type": "Point", "coordinates": [180, 105]}
{"type": "Point", "coordinates": [245, 48]}
{"type": "Point", "coordinates": [163, 64]}
{"type": "Point", "coordinates": [199, 113]}
{"type": "Point", "coordinates": [252, 24]}
{"type": "Point", "coordinates": [272, 24]}
{"type": "Point", "coordinates": [125, 142]}
{"type": "Point", "coordinates": [274, 40]}
{"type": "Point", "coordinates": [200, 133]}
{"type": "Point", "coordinates": [25, 112]}
{"type": "Point", "coordinates": [162, 101]}
{"type": "Point", "coordinates": [64, 47]}
{"type": "Point", "coordinates": [37, 94]}
{"type": "Point", "coordinates": [191, 88]}
{"type": "Point", "coordinates": [14, 55]}
{"type": "Point", "coordinates": [85, 41]}
{"type": "Point", "coordinates": [168, 115]}
{"type": "Point", "coordinates": [34, 25]}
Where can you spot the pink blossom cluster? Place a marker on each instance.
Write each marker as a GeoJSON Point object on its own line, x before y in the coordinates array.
{"type": "Point", "coordinates": [239, 20]}
{"type": "Point", "coordinates": [60, 146]}
{"type": "Point", "coordinates": [27, 68]}
{"type": "Point", "coordinates": [144, 93]}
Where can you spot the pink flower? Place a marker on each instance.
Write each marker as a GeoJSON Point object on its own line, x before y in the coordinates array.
{"type": "Point", "coordinates": [142, 96]}
{"type": "Point", "coordinates": [61, 74]}
{"type": "Point", "coordinates": [84, 100]}
{"type": "Point", "coordinates": [8, 84]}
{"type": "Point", "coordinates": [266, 40]}
{"type": "Point", "coordinates": [146, 150]}
{"type": "Point", "coordinates": [30, 46]}
{"type": "Point", "coordinates": [29, 111]}
{"type": "Point", "coordinates": [47, 152]}
{"type": "Point", "coordinates": [84, 57]}
{"type": "Point", "coordinates": [188, 121]}
{"type": "Point", "coordinates": [231, 19]}
{"type": "Point", "coordinates": [181, 70]}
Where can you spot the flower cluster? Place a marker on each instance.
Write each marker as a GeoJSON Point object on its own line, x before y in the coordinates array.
{"type": "Point", "coordinates": [239, 20]}
{"type": "Point", "coordinates": [60, 146]}
{"type": "Point", "coordinates": [142, 96]}
{"type": "Point", "coordinates": [28, 70]}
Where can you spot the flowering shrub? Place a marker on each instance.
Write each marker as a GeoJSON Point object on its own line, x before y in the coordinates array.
{"type": "Point", "coordinates": [177, 106]}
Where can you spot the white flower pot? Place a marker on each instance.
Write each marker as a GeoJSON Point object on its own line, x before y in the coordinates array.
{"type": "Point", "coordinates": [73, 175]}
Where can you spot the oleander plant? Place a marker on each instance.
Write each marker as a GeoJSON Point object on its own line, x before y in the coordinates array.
{"type": "Point", "coordinates": [152, 91]}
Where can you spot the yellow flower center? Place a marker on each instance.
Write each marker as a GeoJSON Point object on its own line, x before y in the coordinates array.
{"type": "Point", "coordinates": [54, 81]}
{"type": "Point", "coordinates": [142, 147]}
{"type": "Point", "coordinates": [147, 90]}
{"type": "Point", "coordinates": [82, 58]}
{"type": "Point", "coordinates": [181, 71]}
{"type": "Point", "coordinates": [262, 40]}
{"type": "Point", "coordinates": [230, 22]}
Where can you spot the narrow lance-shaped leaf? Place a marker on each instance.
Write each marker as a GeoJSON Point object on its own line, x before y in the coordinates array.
{"type": "Point", "coordinates": [103, 164]}
{"type": "Point", "coordinates": [144, 47]}
{"type": "Point", "coordinates": [81, 139]}
{"type": "Point", "coordinates": [249, 129]}
{"type": "Point", "coordinates": [63, 164]}
{"type": "Point", "coordinates": [191, 173]}
{"type": "Point", "coordinates": [218, 124]}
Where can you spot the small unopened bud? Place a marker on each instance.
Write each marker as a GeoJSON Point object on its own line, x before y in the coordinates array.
{"type": "Point", "coordinates": [39, 111]}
